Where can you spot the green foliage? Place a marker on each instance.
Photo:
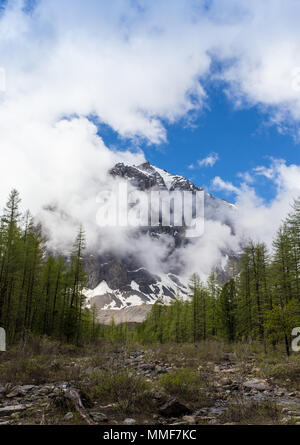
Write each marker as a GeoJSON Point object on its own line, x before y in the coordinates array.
{"type": "Point", "coordinates": [43, 295]}
{"type": "Point", "coordinates": [183, 383]}
{"type": "Point", "coordinates": [39, 293]}
{"type": "Point", "coordinates": [281, 320]}
{"type": "Point", "coordinates": [283, 371]}
{"type": "Point", "coordinates": [253, 292]}
{"type": "Point", "coordinates": [226, 310]}
{"type": "Point", "coordinates": [123, 388]}
{"type": "Point", "coordinates": [252, 412]}
{"type": "Point", "coordinates": [260, 303]}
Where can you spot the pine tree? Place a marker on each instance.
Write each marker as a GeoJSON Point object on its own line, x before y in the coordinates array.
{"type": "Point", "coordinates": [77, 277]}
{"type": "Point", "coordinates": [11, 260]}
{"type": "Point", "coordinates": [213, 295]}
{"type": "Point", "coordinates": [293, 230]}
{"type": "Point", "coordinates": [254, 294]}
{"type": "Point", "coordinates": [39, 293]}
{"type": "Point", "coordinates": [281, 320]}
{"type": "Point", "coordinates": [227, 311]}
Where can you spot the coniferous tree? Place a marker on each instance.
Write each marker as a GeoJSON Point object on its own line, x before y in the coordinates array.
{"type": "Point", "coordinates": [227, 311]}
{"type": "Point", "coordinates": [77, 277]}
{"type": "Point", "coordinates": [40, 294]}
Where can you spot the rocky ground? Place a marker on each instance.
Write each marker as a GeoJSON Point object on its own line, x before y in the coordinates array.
{"type": "Point", "coordinates": [109, 384]}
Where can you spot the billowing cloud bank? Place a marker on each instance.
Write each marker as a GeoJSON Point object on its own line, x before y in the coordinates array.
{"type": "Point", "coordinates": [135, 65]}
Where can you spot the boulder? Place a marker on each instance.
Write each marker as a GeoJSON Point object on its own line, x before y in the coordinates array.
{"type": "Point", "coordinates": [99, 417]}
{"type": "Point", "coordinates": [190, 420]}
{"type": "Point", "coordinates": [129, 421]}
{"type": "Point", "coordinates": [8, 410]}
{"type": "Point", "coordinates": [172, 407]}
{"type": "Point", "coordinates": [259, 385]}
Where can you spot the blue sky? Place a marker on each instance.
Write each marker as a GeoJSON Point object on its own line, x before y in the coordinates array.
{"type": "Point", "coordinates": [243, 139]}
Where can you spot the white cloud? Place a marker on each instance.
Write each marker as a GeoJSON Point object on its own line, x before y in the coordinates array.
{"type": "Point", "coordinates": [137, 66]}
{"type": "Point", "coordinates": [252, 218]}
{"type": "Point", "coordinates": [264, 44]}
{"type": "Point", "coordinates": [246, 177]}
{"type": "Point", "coordinates": [219, 184]}
{"type": "Point", "coordinates": [209, 161]}
{"type": "Point", "coordinates": [258, 219]}
{"type": "Point", "coordinates": [111, 60]}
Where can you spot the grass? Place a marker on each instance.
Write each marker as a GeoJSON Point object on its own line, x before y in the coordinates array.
{"type": "Point", "coordinates": [251, 413]}
{"type": "Point", "coordinates": [129, 392]}
{"type": "Point", "coordinates": [189, 354]}
{"type": "Point", "coordinates": [38, 370]}
{"type": "Point", "coordinates": [185, 383]}
{"type": "Point", "coordinates": [39, 361]}
{"type": "Point", "coordinates": [283, 372]}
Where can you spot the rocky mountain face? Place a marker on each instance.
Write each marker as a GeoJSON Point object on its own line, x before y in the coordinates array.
{"type": "Point", "coordinates": [118, 281]}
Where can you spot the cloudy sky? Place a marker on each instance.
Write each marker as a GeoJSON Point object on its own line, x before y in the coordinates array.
{"type": "Point", "coordinates": [208, 89]}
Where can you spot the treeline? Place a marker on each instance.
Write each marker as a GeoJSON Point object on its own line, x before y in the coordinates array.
{"type": "Point", "coordinates": [40, 294]}
{"type": "Point", "coordinates": [260, 302]}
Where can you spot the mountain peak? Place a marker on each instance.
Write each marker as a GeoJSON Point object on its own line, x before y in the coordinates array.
{"type": "Point", "coordinates": [146, 166]}
{"type": "Point", "coordinates": [146, 176]}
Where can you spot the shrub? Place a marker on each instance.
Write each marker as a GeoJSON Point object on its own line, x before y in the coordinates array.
{"type": "Point", "coordinates": [25, 371]}
{"type": "Point", "coordinates": [286, 374]}
{"type": "Point", "coordinates": [252, 412]}
{"type": "Point", "coordinates": [185, 383]}
{"type": "Point", "coordinates": [125, 389]}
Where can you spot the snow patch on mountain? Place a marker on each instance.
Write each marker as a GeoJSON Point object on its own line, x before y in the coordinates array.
{"type": "Point", "coordinates": [167, 288]}
{"type": "Point", "coordinates": [167, 177]}
{"type": "Point", "coordinates": [135, 286]}
{"type": "Point", "coordinates": [101, 289]}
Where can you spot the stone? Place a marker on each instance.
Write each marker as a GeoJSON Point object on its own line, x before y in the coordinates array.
{"type": "Point", "coordinates": [99, 417]}
{"type": "Point", "coordinates": [206, 419]}
{"type": "Point", "coordinates": [19, 391]}
{"type": "Point", "coordinates": [229, 370]}
{"type": "Point", "coordinates": [45, 390]}
{"type": "Point", "coordinates": [129, 421]}
{"type": "Point", "coordinates": [190, 420]}
{"type": "Point", "coordinates": [13, 393]}
{"type": "Point", "coordinates": [69, 416]}
{"type": "Point", "coordinates": [8, 410]}
{"type": "Point", "coordinates": [26, 388]}
{"type": "Point", "coordinates": [173, 408]}
{"type": "Point", "coordinates": [160, 370]}
{"type": "Point", "coordinates": [255, 384]}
